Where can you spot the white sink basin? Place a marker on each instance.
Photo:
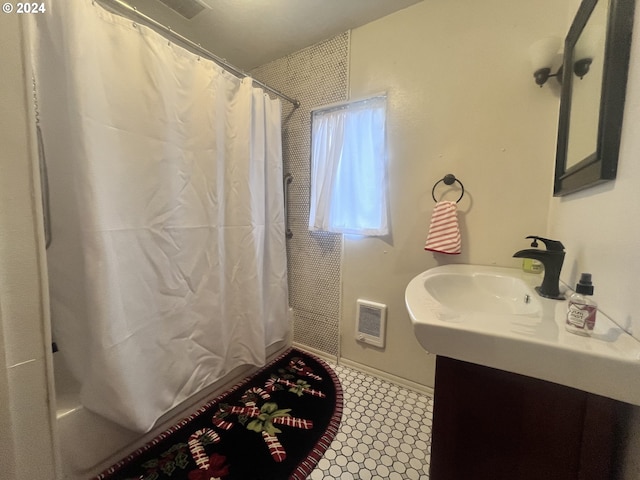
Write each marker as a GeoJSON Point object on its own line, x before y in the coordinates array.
{"type": "Point", "coordinates": [492, 316]}
{"type": "Point", "coordinates": [486, 292]}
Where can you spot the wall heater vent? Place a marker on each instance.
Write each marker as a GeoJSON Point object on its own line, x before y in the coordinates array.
{"type": "Point", "coordinates": [371, 318]}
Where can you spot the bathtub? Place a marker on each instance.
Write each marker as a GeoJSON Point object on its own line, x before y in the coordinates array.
{"type": "Point", "coordinates": [90, 443]}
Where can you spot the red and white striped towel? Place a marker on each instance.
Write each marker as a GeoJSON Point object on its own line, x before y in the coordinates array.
{"type": "Point", "coordinates": [444, 232]}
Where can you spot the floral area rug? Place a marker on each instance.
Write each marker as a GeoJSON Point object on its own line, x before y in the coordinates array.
{"type": "Point", "coordinates": [274, 425]}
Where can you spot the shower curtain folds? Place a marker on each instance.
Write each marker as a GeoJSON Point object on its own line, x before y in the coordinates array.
{"type": "Point", "coordinates": [120, 4]}
{"type": "Point", "coordinates": [169, 266]}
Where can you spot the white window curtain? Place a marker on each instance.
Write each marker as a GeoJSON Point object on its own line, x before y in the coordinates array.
{"type": "Point", "coordinates": [348, 169]}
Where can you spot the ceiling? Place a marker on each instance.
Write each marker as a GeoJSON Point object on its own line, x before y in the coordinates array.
{"type": "Point", "coordinates": [249, 33]}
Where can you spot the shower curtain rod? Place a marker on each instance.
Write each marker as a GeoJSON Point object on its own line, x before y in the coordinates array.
{"type": "Point", "coordinates": [196, 46]}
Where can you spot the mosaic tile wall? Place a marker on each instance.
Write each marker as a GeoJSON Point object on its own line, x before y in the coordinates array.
{"type": "Point", "coordinates": [316, 76]}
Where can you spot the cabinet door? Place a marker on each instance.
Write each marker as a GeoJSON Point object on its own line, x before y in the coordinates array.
{"type": "Point", "coordinates": [494, 425]}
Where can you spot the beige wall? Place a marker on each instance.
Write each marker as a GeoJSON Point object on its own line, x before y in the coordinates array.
{"type": "Point", "coordinates": [600, 228]}
{"type": "Point", "coordinates": [462, 100]}
{"type": "Point", "coordinates": [26, 439]}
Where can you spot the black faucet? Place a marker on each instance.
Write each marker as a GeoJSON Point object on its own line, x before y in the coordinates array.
{"type": "Point", "coordinates": [552, 259]}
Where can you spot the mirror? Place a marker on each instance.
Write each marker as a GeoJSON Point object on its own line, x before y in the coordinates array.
{"type": "Point", "coordinates": [596, 60]}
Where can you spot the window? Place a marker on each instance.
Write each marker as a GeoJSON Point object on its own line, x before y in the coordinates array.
{"type": "Point", "coordinates": [348, 168]}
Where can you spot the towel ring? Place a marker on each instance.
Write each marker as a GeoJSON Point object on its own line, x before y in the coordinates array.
{"type": "Point", "coordinates": [448, 179]}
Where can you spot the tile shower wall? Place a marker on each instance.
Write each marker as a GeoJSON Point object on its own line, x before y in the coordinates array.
{"type": "Point", "coordinates": [316, 76]}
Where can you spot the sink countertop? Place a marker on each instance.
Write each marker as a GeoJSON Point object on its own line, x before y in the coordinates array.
{"type": "Point", "coordinates": [532, 344]}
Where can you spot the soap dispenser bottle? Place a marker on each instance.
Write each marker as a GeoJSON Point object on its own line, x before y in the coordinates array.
{"type": "Point", "coordinates": [581, 312]}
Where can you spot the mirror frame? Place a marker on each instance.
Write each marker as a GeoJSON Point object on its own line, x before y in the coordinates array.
{"type": "Point", "coordinates": [600, 166]}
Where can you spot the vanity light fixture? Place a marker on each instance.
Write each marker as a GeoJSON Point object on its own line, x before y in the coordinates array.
{"type": "Point", "coordinates": [543, 74]}
{"type": "Point", "coordinates": [581, 67]}
{"type": "Point", "coordinates": [543, 55]}
{"type": "Point", "coordinates": [590, 45]}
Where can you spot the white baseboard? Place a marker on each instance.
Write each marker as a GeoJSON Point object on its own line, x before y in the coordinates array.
{"type": "Point", "coordinates": [403, 382]}
{"type": "Point", "coordinates": [318, 353]}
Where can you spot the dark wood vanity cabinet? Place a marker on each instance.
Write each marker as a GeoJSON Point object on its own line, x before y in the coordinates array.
{"type": "Point", "coordinates": [494, 425]}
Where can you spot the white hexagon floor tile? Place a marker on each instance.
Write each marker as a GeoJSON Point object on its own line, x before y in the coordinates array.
{"type": "Point", "coordinates": [385, 433]}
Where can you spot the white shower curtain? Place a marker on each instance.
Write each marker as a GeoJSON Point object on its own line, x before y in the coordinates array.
{"type": "Point", "coordinates": [168, 265]}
